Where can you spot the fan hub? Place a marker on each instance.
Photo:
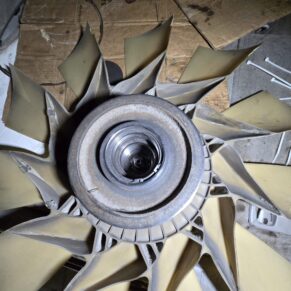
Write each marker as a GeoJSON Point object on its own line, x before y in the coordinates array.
{"type": "Point", "coordinates": [136, 162]}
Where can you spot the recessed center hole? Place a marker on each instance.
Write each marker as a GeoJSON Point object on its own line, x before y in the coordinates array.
{"type": "Point", "coordinates": [130, 153]}
{"type": "Point", "coordinates": [138, 160]}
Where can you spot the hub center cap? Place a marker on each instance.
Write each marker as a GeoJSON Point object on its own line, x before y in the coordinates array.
{"type": "Point", "coordinates": [130, 153]}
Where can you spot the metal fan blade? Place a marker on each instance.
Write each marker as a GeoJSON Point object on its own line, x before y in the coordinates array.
{"type": "Point", "coordinates": [142, 81]}
{"type": "Point", "coordinates": [16, 190]}
{"type": "Point", "coordinates": [81, 63]}
{"type": "Point", "coordinates": [211, 122]}
{"type": "Point", "coordinates": [259, 266]}
{"type": "Point", "coordinates": [275, 181]}
{"type": "Point", "coordinates": [45, 176]}
{"type": "Point", "coordinates": [177, 259]}
{"type": "Point", "coordinates": [33, 263]}
{"type": "Point", "coordinates": [207, 63]}
{"type": "Point", "coordinates": [99, 87]}
{"type": "Point", "coordinates": [140, 50]}
{"type": "Point", "coordinates": [121, 263]}
{"type": "Point", "coordinates": [228, 165]}
{"type": "Point", "coordinates": [262, 110]}
{"type": "Point", "coordinates": [180, 94]}
{"type": "Point", "coordinates": [59, 230]}
{"type": "Point", "coordinates": [218, 222]}
{"type": "Point", "coordinates": [27, 112]}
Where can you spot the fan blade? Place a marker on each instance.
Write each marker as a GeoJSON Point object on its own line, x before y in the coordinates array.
{"type": "Point", "coordinates": [207, 63]}
{"type": "Point", "coordinates": [209, 277]}
{"type": "Point", "coordinates": [56, 112]}
{"type": "Point", "coordinates": [273, 148]}
{"type": "Point", "coordinates": [11, 217]}
{"type": "Point", "coordinates": [27, 112]}
{"type": "Point", "coordinates": [124, 286]}
{"type": "Point", "coordinates": [259, 266]}
{"type": "Point", "coordinates": [142, 81]}
{"type": "Point", "coordinates": [218, 220]}
{"type": "Point", "coordinates": [228, 165]}
{"type": "Point", "coordinates": [81, 63]}
{"type": "Point", "coordinates": [99, 87]}
{"type": "Point", "coordinates": [140, 50]}
{"type": "Point", "coordinates": [59, 230]}
{"type": "Point", "coordinates": [275, 181]}
{"type": "Point", "coordinates": [121, 263]}
{"type": "Point", "coordinates": [57, 116]}
{"type": "Point", "coordinates": [28, 264]}
{"type": "Point", "coordinates": [15, 189]}
{"type": "Point", "coordinates": [262, 110]}
{"type": "Point", "coordinates": [186, 263]}
{"type": "Point", "coordinates": [190, 282]}
{"type": "Point", "coordinates": [180, 94]}
{"type": "Point", "coordinates": [211, 122]}
{"type": "Point", "coordinates": [37, 169]}
{"type": "Point", "coordinates": [177, 259]}
{"type": "Point", "coordinates": [14, 139]}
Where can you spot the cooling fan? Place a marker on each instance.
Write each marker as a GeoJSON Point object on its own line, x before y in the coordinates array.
{"type": "Point", "coordinates": [141, 183]}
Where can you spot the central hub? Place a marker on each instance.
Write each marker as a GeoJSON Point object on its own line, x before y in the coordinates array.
{"type": "Point", "coordinates": [130, 153]}
{"type": "Point", "coordinates": [136, 163]}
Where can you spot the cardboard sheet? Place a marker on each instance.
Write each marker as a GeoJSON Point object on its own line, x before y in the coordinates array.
{"type": "Point", "coordinates": [224, 21]}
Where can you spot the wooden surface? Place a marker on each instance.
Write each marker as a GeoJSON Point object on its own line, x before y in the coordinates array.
{"type": "Point", "coordinates": [50, 29]}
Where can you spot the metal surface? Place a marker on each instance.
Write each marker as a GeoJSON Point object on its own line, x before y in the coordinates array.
{"type": "Point", "coordinates": [135, 190]}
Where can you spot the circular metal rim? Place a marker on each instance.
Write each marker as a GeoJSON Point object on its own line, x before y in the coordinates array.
{"type": "Point", "coordinates": [178, 203]}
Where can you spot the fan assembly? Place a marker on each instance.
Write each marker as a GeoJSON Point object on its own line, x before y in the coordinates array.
{"type": "Point", "coordinates": [141, 186]}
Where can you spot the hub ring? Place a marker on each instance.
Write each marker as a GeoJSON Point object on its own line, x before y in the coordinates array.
{"type": "Point", "coordinates": [189, 180]}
